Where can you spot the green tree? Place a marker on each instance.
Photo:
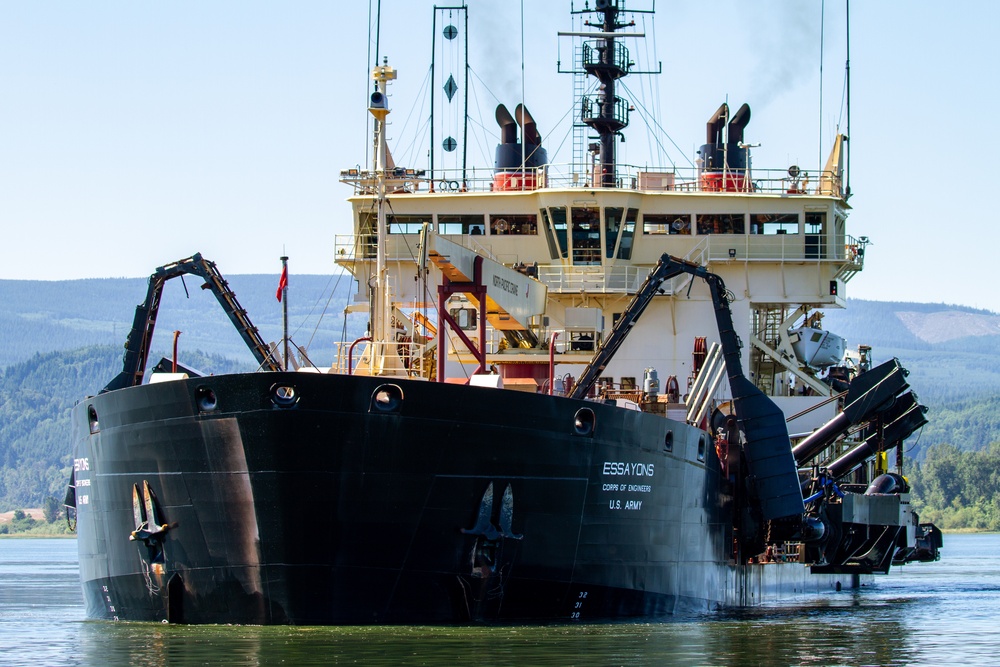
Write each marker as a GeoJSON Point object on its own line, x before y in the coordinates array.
{"type": "Point", "coordinates": [21, 522]}
{"type": "Point", "coordinates": [959, 490]}
{"type": "Point", "coordinates": [52, 509]}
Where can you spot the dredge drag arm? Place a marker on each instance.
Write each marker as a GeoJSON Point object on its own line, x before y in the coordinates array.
{"type": "Point", "coordinates": [139, 338]}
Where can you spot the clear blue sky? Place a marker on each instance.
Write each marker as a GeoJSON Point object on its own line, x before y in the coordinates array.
{"type": "Point", "coordinates": [136, 133]}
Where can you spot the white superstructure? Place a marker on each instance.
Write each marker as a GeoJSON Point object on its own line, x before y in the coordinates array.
{"type": "Point", "coordinates": [777, 245]}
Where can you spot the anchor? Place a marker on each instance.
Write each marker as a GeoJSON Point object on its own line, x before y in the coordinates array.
{"type": "Point", "coordinates": [150, 528]}
{"type": "Point", "coordinates": [484, 521]}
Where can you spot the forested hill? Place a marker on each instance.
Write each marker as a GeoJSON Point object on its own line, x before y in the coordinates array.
{"type": "Point", "coordinates": [916, 326]}
{"type": "Point", "coordinates": [45, 316]}
{"type": "Point", "coordinates": [952, 352]}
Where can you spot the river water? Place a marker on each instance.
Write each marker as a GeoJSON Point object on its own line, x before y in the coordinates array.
{"type": "Point", "coordinates": [941, 613]}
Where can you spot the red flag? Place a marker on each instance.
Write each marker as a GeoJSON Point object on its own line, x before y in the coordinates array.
{"type": "Point", "coordinates": [283, 283]}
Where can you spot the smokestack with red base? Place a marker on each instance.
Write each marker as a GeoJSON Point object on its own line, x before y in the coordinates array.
{"type": "Point", "coordinates": [724, 156]}
{"type": "Point", "coordinates": [510, 173]}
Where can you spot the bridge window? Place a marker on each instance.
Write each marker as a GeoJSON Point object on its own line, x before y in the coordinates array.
{"type": "Point", "coordinates": [558, 215]}
{"type": "Point", "coordinates": [670, 223]}
{"type": "Point", "coordinates": [774, 223]}
{"type": "Point", "coordinates": [815, 236]}
{"type": "Point", "coordinates": [628, 231]}
{"type": "Point", "coordinates": [461, 224]}
{"type": "Point", "coordinates": [513, 224]}
{"type": "Point", "coordinates": [586, 235]}
{"type": "Point", "coordinates": [406, 224]}
{"type": "Point", "coordinates": [721, 223]}
{"type": "Point", "coordinates": [612, 225]}
{"type": "Point", "coordinates": [550, 238]}
{"type": "Point", "coordinates": [367, 238]}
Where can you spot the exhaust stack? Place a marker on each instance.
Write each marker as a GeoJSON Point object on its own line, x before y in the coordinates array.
{"type": "Point", "coordinates": [517, 162]}
{"type": "Point", "coordinates": [724, 157]}
{"type": "Point", "coordinates": [508, 128]}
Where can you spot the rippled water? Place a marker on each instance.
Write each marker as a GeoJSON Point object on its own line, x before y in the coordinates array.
{"type": "Point", "coordinates": [926, 614]}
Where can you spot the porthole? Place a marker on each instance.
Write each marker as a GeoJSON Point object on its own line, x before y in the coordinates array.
{"type": "Point", "coordinates": [284, 395]}
{"type": "Point", "coordinates": [387, 399]}
{"type": "Point", "coordinates": [584, 422]}
{"type": "Point", "coordinates": [205, 399]}
{"type": "Point", "coordinates": [702, 446]}
{"type": "Point", "coordinates": [668, 442]}
{"type": "Point", "coordinates": [95, 425]}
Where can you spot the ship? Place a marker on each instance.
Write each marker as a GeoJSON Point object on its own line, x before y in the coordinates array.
{"type": "Point", "coordinates": [499, 447]}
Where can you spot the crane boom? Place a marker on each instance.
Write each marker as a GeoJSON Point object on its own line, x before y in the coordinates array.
{"type": "Point", "coordinates": [768, 449]}
{"type": "Point", "coordinates": [144, 322]}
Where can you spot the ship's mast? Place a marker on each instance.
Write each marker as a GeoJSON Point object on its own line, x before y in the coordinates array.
{"type": "Point", "coordinates": [379, 108]}
{"type": "Point", "coordinates": [605, 57]}
{"type": "Point", "coordinates": [604, 63]}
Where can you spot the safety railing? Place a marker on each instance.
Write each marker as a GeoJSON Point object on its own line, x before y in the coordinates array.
{"type": "Point", "coordinates": [398, 247]}
{"type": "Point", "coordinates": [781, 248]}
{"type": "Point", "coordinates": [614, 279]}
{"type": "Point", "coordinates": [625, 278]}
{"type": "Point", "coordinates": [627, 177]}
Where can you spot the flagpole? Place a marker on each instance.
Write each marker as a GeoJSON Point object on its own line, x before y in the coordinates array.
{"type": "Point", "coordinates": [284, 306]}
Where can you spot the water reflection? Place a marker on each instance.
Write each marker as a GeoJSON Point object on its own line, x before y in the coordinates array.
{"type": "Point", "coordinates": [823, 634]}
{"type": "Point", "coordinates": [844, 630]}
{"type": "Point", "coordinates": [925, 615]}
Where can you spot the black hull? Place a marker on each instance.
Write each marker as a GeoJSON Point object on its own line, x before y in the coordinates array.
{"type": "Point", "coordinates": [442, 504]}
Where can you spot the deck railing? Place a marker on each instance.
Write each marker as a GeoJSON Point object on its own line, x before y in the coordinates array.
{"type": "Point", "coordinates": [628, 177]}
{"type": "Point", "coordinates": [625, 278]}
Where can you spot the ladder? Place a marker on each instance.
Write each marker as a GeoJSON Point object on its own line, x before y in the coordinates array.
{"type": "Point", "coordinates": [579, 128]}
{"type": "Point", "coordinates": [764, 368]}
